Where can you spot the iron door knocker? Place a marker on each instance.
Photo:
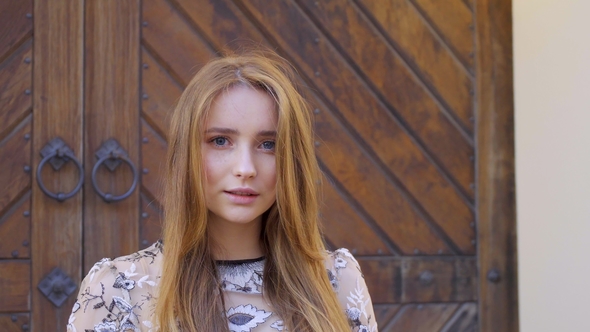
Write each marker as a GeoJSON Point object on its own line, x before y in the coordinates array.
{"type": "Point", "coordinates": [57, 153]}
{"type": "Point", "coordinates": [111, 154]}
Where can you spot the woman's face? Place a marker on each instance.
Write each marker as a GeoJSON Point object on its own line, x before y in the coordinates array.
{"type": "Point", "coordinates": [239, 155]}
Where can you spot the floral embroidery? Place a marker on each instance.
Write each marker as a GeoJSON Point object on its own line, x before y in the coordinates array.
{"type": "Point", "coordinates": [245, 318]}
{"type": "Point", "coordinates": [120, 295]}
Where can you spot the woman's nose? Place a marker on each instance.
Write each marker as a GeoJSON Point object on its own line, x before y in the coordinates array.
{"type": "Point", "coordinates": [244, 166]}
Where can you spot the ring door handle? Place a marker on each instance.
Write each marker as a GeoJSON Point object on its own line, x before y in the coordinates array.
{"type": "Point", "coordinates": [111, 154]}
{"type": "Point", "coordinates": [57, 153]}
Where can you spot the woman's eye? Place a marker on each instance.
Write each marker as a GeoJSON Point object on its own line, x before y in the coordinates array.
{"type": "Point", "coordinates": [220, 141]}
{"type": "Point", "coordinates": [268, 145]}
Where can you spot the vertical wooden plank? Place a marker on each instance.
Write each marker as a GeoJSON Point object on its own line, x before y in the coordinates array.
{"type": "Point", "coordinates": [496, 208]}
{"type": "Point", "coordinates": [57, 111]}
{"type": "Point", "coordinates": [111, 111]}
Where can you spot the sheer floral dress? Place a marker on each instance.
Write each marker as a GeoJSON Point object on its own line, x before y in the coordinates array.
{"type": "Point", "coordinates": [120, 294]}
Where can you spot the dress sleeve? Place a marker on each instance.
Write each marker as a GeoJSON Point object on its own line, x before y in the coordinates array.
{"type": "Point", "coordinates": [104, 301]}
{"type": "Point", "coordinates": [349, 283]}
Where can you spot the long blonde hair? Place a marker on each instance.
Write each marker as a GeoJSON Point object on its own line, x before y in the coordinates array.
{"type": "Point", "coordinates": [295, 279]}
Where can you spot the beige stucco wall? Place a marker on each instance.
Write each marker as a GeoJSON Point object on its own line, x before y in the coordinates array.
{"type": "Point", "coordinates": [552, 99]}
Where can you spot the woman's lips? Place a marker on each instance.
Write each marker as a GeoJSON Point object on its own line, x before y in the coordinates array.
{"type": "Point", "coordinates": [241, 196]}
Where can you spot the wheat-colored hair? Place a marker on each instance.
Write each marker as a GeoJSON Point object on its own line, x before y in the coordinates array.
{"type": "Point", "coordinates": [295, 280]}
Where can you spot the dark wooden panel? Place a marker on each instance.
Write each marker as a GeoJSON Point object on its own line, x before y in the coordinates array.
{"type": "Point", "coordinates": [420, 279]}
{"type": "Point", "coordinates": [150, 227]}
{"type": "Point", "coordinates": [453, 19]}
{"type": "Point", "coordinates": [495, 159]}
{"type": "Point", "coordinates": [169, 35]}
{"type": "Point", "coordinates": [15, 230]}
{"type": "Point", "coordinates": [464, 320]}
{"type": "Point", "coordinates": [383, 278]}
{"type": "Point", "coordinates": [57, 111]}
{"type": "Point", "coordinates": [444, 279]}
{"type": "Point", "coordinates": [421, 317]}
{"type": "Point", "coordinates": [365, 183]}
{"type": "Point", "coordinates": [427, 55]}
{"type": "Point", "coordinates": [15, 322]}
{"type": "Point", "coordinates": [338, 85]}
{"type": "Point", "coordinates": [223, 20]}
{"type": "Point", "coordinates": [344, 228]}
{"type": "Point", "coordinates": [15, 154]}
{"type": "Point", "coordinates": [15, 80]}
{"type": "Point", "coordinates": [153, 161]}
{"type": "Point", "coordinates": [15, 284]}
{"type": "Point", "coordinates": [385, 312]}
{"type": "Point", "coordinates": [15, 23]}
{"type": "Point", "coordinates": [111, 111]}
{"type": "Point", "coordinates": [159, 93]}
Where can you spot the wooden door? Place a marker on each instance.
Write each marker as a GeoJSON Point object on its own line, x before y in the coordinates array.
{"type": "Point", "coordinates": [411, 99]}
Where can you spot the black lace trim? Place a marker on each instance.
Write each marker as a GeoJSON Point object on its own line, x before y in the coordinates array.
{"type": "Point", "coordinates": [239, 261]}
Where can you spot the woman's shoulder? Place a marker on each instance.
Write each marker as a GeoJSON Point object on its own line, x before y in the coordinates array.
{"type": "Point", "coordinates": [116, 292]}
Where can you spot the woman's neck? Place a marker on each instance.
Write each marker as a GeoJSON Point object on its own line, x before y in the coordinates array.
{"type": "Point", "coordinates": [235, 241]}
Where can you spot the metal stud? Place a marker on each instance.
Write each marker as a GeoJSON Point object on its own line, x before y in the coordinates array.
{"type": "Point", "coordinates": [145, 96]}
{"type": "Point", "coordinates": [144, 242]}
{"type": "Point", "coordinates": [473, 242]}
{"type": "Point", "coordinates": [145, 140]}
{"type": "Point", "coordinates": [317, 73]}
{"type": "Point", "coordinates": [144, 215]}
{"type": "Point", "coordinates": [440, 251]}
{"type": "Point", "coordinates": [145, 171]}
{"type": "Point", "coordinates": [27, 137]}
{"type": "Point", "coordinates": [25, 243]}
{"type": "Point", "coordinates": [14, 253]}
{"type": "Point", "coordinates": [145, 66]}
{"type": "Point", "coordinates": [145, 23]}
{"type": "Point", "coordinates": [317, 40]}
{"type": "Point", "coordinates": [379, 251]}
{"type": "Point", "coordinates": [416, 251]}
{"type": "Point", "coordinates": [316, 111]}
{"type": "Point", "coordinates": [494, 275]}
{"type": "Point", "coordinates": [28, 92]}
{"type": "Point", "coordinates": [426, 278]}
{"type": "Point", "coordinates": [27, 168]}
{"type": "Point", "coordinates": [29, 15]}
{"type": "Point", "coordinates": [13, 318]}
{"type": "Point", "coordinates": [27, 213]}
{"type": "Point", "coordinates": [27, 60]}
{"type": "Point", "coordinates": [317, 143]}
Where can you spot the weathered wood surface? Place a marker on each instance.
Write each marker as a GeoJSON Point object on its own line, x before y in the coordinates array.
{"type": "Point", "coordinates": [15, 322]}
{"type": "Point", "coordinates": [15, 283]}
{"type": "Point", "coordinates": [56, 239]}
{"type": "Point", "coordinates": [495, 165]}
{"type": "Point", "coordinates": [112, 68]}
{"type": "Point", "coordinates": [16, 24]}
{"type": "Point", "coordinates": [16, 75]}
{"type": "Point", "coordinates": [15, 229]}
{"type": "Point", "coordinates": [15, 155]}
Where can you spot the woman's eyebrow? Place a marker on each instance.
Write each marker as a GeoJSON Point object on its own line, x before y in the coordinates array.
{"type": "Point", "coordinates": [222, 130]}
{"type": "Point", "coordinates": [267, 133]}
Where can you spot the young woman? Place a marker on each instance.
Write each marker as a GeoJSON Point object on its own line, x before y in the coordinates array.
{"type": "Point", "coordinates": [242, 250]}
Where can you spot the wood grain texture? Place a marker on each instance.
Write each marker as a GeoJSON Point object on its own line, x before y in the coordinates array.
{"type": "Point", "coordinates": [153, 162]}
{"type": "Point", "coordinates": [339, 218]}
{"type": "Point", "coordinates": [426, 55]}
{"type": "Point", "coordinates": [448, 279]}
{"type": "Point", "coordinates": [15, 285]}
{"type": "Point", "coordinates": [16, 76]}
{"type": "Point", "coordinates": [17, 322]}
{"type": "Point", "coordinates": [421, 317]}
{"type": "Point", "coordinates": [385, 312]}
{"type": "Point", "coordinates": [150, 225]}
{"type": "Point", "coordinates": [363, 182]}
{"type": "Point", "coordinates": [464, 320]}
{"type": "Point", "coordinates": [420, 279]}
{"type": "Point", "coordinates": [15, 154]}
{"type": "Point", "coordinates": [15, 230]}
{"type": "Point", "coordinates": [111, 111]}
{"type": "Point", "coordinates": [159, 94]}
{"type": "Point", "coordinates": [328, 73]}
{"type": "Point", "coordinates": [498, 310]}
{"type": "Point", "coordinates": [57, 111]}
{"type": "Point", "coordinates": [169, 35]}
{"type": "Point", "coordinates": [346, 29]}
{"type": "Point", "coordinates": [454, 21]}
{"type": "Point", "coordinates": [14, 23]}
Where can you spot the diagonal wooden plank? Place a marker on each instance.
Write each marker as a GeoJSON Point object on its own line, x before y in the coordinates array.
{"type": "Point", "coordinates": [339, 218]}
{"type": "Point", "coordinates": [421, 317]}
{"type": "Point", "coordinates": [15, 154]}
{"type": "Point", "coordinates": [223, 23]}
{"type": "Point", "coordinates": [432, 61]}
{"type": "Point", "coordinates": [453, 21]}
{"type": "Point", "coordinates": [153, 159]}
{"type": "Point", "coordinates": [16, 21]}
{"type": "Point", "coordinates": [159, 94]}
{"type": "Point", "coordinates": [15, 87]}
{"type": "Point", "coordinates": [364, 183]}
{"type": "Point", "coordinates": [15, 229]}
{"type": "Point", "coordinates": [464, 320]}
{"type": "Point", "coordinates": [385, 312]}
{"type": "Point", "coordinates": [181, 49]}
{"type": "Point", "coordinates": [15, 285]}
{"type": "Point", "coordinates": [150, 227]}
{"type": "Point", "coordinates": [341, 87]}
